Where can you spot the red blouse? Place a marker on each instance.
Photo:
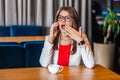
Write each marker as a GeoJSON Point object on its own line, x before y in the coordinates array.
{"type": "Point", "coordinates": [64, 55]}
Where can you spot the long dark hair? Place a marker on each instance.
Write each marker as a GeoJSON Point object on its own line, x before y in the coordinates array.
{"type": "Point", "coordinates": [73, 13]}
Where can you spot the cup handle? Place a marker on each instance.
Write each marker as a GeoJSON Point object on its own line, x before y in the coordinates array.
{"type": "Point", "coordinates": [61, 68]}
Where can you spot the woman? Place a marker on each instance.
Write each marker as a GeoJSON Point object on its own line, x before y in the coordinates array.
{"type": "Point", "coordinates": [66, 45]}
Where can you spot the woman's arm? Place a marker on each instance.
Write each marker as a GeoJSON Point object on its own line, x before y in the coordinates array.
{"type": "Point", "coordinates": [85, 49]}
{"type": "Point", "coordinates": [46, 55]}
{"type": "Point", "coordinates": [87, 53]}
{"type": "Point", "coordinates": [87, 56]}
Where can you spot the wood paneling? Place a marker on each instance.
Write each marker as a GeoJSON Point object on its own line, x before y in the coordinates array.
{"type": "Point", "coordinates": [21, 38]}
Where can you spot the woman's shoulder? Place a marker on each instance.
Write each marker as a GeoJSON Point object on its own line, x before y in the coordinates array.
{"type": "Point", "coordinates": [46, 37]}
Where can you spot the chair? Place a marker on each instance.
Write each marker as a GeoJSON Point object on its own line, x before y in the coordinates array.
{"type": "Point", "coordinates": [16, 30]}
{"type": "Point", "coordinates": [32, 53]}
{"type": "Point", "coordinates": [4, 31]}
{"type": "Point", "coordinates": [12, 56]}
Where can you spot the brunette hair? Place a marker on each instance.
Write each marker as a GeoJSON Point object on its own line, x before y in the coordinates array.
{"type": "Point", "coordinates": [73, 13]}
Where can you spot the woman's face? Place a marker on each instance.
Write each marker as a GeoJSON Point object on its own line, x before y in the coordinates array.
{"type": "Point", "coordinates": [64, 19]}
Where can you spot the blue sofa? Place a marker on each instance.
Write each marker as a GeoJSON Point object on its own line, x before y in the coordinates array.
{"type": "Point", "coordinates": [19, 55]}
{"type": "Point", "coordinates": [12, 56]}
{"type": "Point", "coordinates": [4, 31]}
{"type": "Point", "coordinates": [21, 30]}
{"type": "Point", "coordinates": [32, 52]}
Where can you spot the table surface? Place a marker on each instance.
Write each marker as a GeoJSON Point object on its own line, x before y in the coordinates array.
{"type": "Point", "coordinates": [21, 38]}
{"type": "Point", "coordinates": [68, 73]}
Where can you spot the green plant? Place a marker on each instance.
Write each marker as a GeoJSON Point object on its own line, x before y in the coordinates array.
{"type": "Point", "coordinates": [111, 25]}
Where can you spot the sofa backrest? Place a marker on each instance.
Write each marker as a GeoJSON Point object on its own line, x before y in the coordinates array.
{"type": "Point", "coordinates": [18, 55]}
{"type": "Point", "coordinates": [33, 51]}
{"type": "Point", "coordinates": [22, 30]}
{"type": "Point", "coordinates": [7, 43]}
{"type": "Point", "coordinates": [12, 56]}
{"type": "Point", "coordinates": [4, 31]}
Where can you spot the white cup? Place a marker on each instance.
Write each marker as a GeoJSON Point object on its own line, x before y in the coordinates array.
{"type": "Point", "coordinates": [54, 68]}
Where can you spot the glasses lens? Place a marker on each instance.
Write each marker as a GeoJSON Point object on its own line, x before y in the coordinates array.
{"type": "Point", "coordinates": [66, 18]}
{"type": "Point", "coordinates": [60, 18]}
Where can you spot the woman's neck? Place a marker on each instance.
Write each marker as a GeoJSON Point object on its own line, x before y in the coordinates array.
{"type": "Point", "coordinates": [65, 39]}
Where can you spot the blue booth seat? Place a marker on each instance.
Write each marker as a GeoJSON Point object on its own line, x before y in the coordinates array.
{"type": "Point", "coordinates": [4, 43]}
{"type": "Point", "coordinates": [12, 56]}
{"type": "Point", "coordinates": [4, 31]}
{"type": "Point", "coordinates": [31, 41]}
{"type": "Point", "coordinates": [32, 53]}
{"type": "Point", "coordinates": [17, 30]}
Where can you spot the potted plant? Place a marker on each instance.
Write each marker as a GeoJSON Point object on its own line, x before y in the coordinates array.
{"type": "Point", "coordinates": [111, 28]}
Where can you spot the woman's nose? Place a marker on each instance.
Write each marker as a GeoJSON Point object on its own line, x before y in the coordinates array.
{"type": "Point", "coordinates": [64, 20]}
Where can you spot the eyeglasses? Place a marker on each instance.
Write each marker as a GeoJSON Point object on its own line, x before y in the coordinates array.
{"type": "Point", "coordinates": [66, 18]}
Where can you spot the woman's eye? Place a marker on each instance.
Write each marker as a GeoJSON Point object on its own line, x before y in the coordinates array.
{"type": "Point", "coordinates": [68, 18]}
{"type": "Point", "coordinates": [60, 17]}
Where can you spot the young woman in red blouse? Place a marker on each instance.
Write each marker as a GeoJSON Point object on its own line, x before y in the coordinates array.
{"type": "Point", "coordinates": [66, 45]}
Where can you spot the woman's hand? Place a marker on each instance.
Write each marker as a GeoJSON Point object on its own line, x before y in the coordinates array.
{"type": "Point", "coordinates": [53, 32]}
{"type": "Point", "coordinates": [77, 35]}
{"type": "Point", "coordinates": [74, 34]}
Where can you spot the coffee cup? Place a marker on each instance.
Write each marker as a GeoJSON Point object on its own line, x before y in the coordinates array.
{"type": "Point", "coordinates": [54, 68]}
